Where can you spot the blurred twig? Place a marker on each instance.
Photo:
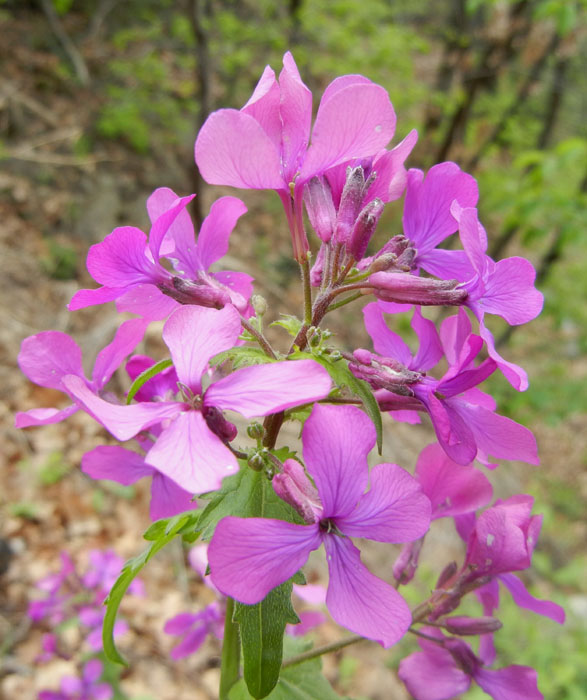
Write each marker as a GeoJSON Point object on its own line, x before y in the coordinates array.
{"type": "Point", "coordinates": [77, 61]}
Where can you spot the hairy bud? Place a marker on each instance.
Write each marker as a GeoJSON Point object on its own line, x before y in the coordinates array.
{"type": "Point", "coordinates": [364, 228]}
{"type": "Point", "coordinates": [294, 487]}
{"type": "Point", "coordinates": [470, 626]}
{"type": "Point", "coordinates": [409, 289]}
{"type": "Point", "coordinates": [320, 207]}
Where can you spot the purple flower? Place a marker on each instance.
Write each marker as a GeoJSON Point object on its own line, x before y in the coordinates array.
{"type": "Point", "coordinates": [505, 288]}
{"type": "Point", "coordinates": [191, 446]}
{"type": "Point", "coordinates": [463, 417]}
{"type": "Point", "coordinates": [249, 557]}
{"type": "Point", "coordinates": [130, 270]}
{"type": "Point", "coordinates": [445, 669]}
{"type": "Point", "coordinates": [87, 687]}
{"type": "Point", "coordinates": [265, 144]}
{"type": "Point", "coordinates": [46, 358]}
{"type": "Point", "coordinates": [195, 628]}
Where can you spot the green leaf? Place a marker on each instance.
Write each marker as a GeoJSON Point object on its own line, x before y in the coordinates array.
{"type": "Point", "coordinates": [292, 324]}
{"type": "Point", "coordinates": [343, 377]}
{"type": "Point", "coordinates": [242, 356]}
{"type": "Point", "coordinates": [144, 377]}
{"type": "Point", "coordinates": [301, 682]}
{"type": "Point", "coordinates": [160, 534]}
{"type": "Point", "coordinates": [246, 494]}
{"type": "Point", "coordinates": [262, 627]}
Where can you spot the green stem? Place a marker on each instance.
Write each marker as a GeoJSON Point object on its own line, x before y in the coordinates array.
{"type": "Point", "coordinates": [305, 270]}
{"type": "Point", "coordinates": [259, 337]}
{"type": "Point", "coordinates": [231, 648]}
{"type": "Point", "coordinates": [319, 651]}
{"type": "Point", "coordinates": [348, 300]}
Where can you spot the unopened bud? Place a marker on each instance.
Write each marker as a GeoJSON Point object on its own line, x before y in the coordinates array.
{"type": "Point", "coordinates": [463, 655]}
{"type": "Point", "coordinates": [255, 431]}
{"type": "Point", "coordinates": [335, 356]}
{"type": "Point", "coordinates": [471, 626]}
{"type": "Point", "coordinates": [446, 574]}
{"type": "Point", "coordinates": [320, 207]}
{"type": "Point", "coordinates": [404, 288]}
{"type": "Point", "coordinates": [318, 268]}
{"type": "Point", "coordinates": [406, 564]}
{"type": "Point", "coordinates": [350, 203]}
{"type": "Point", "coordinates": [218, 424]}
{"type": "Point", "coordinates": [256, 462]}
{"type": "Point", "coordinates": [383, 263]}
{"type": "Point", "coordinates": [294, 487]}
{"type": "Point", "coordinates": [197, 293]}
{"type": "Point", "coordinates": [364, 228]}
{"type": "Point", "coordinates": [259, 305]}
{"type": "Point", "coordinates": [383, 372]}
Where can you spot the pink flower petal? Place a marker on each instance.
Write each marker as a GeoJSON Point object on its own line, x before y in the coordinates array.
{"type": "Point", "coordinates": [430, 349]}
{"type": "Point", "coordinates": [168, 499]}
{"type": "Point", "coordinates": [194, 334]}
{"type": "Point", "coordinates": [215, 232]}
{"type": "Point", "coordinates": [116, 464]}
{"type": "Point", "coordinates": [453, 489]}
{"type": "Point", "coordinates": [385, 341]}
{"type": "Point", "coordinates": [391, 179]}
{"type": "Point", "coordinates": [524, 599]}
{"type": "Point", "coordinates": [263, 389]}
{"type": "Point", "coordinates": [353, 122]}
{"type": "Point", "coordinates": [163, 223]}
{"type": "Point", "coordinates": [123, 422]}
{"type": "Point", "coordinates": [510, 683]}
{"type": "Point", "coordinates": [360, 601]}
{"type": "Point", "coordinates": [337, 440]}
{"type": "Point", "coordinates": [515, 374]}
{"type": "Point", "coordinates": [43, 416]}
{"type": "Point", "coordinates": [433, 675]}
{"type": "Point", "coordinates": [393, 510]}
{"type": "Point", "coordinates": [251, 556]}
{"type": "Point", "coordinates": [147, 301]}
{"type": "Point", "coordinates": [192, 456]}
{"type": "Point", "coordinates": [90, 297]}
{"type": "Point", "coordinates": [510, 292]}
{"type": "Point", "coordinates": [263, 106]}
{"type": "Point", "coordinates": [233, 149]}
{"type": "Point", "coordinates": [127, 337]}
{"type": "Point", "coordinates": [47, 357]}
{"type": "Point", "coordinates": [296, 117]}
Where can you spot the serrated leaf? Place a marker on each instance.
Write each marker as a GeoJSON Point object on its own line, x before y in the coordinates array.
{"type": "Point", "coordinates": [261, 628]}
{"type": "Point", "coordinates": [246, 494]}
{"type": "Point", "coordinates": [242, 356]}
{"type": "Point", "coordinates": [291, 324]}
{"type": "Point", "coordinates": [144, 377]}
{"type": "Point", "coordinates": [301, 682]}
{"type": "Point", "coordinates": [160, 534]}
{"type": "Point", "coordinates": [342, 376]}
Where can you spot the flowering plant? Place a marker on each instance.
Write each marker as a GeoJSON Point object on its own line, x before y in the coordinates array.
{"type": "Point", "coordinates": [261, 506]}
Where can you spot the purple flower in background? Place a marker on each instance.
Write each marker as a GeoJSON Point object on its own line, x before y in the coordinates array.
{"type": "Point", "coordinates": [249, 557]}
{"type": "Point", "coordinates": [130, 270]}
{"type": "Point", "coordinates": [191, 447]}
{"type": "Point", "coordinates": [505, 288]}
{"type": "Point", "coordinates": [446, 668]}
{"type": "Point", "coordinates": [46, 358]}
{"type": "Point", "coordinates": [194, 628]}
{"type": "Point", "coordinates": [265, 145]}
{"type": "Point", "coordinates": [87, 687]}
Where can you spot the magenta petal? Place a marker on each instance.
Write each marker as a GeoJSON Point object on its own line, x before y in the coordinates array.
{"type": "Point", "coordinates": [433, 675]}
{"type": "Point", "coordinates": [497, 435]}
{"type": "Point", "coordinates": [454, 332]}
{"type": "Point", "coordinates": [43, 416]}
{"type": "Point", "coordinates": [353, 122]}
{"type": "Point", "coordinates": [391, 179]}
{"type": "Point", "coordinates": [264, 389]}
{"type": "Point", "coordinates": [385, 341]}
{"type": "Point", "coordinates": [115, 463]}
{"type": "Point", "coordinates": [162, 225]}
{"type": "Point", "coordinates": [446, 264]}
{"type": "Point", "coordinates": [510, 291]}
{"type": "Point", "coordinates": [123, 422]}
{"type": "Point", "coordinates": [168, 499]}
{"type": "Point", "coordinates": [47, 357]}
{"type": "Point", "coordinates": [233, 149]}
{"type": "Point", "coordinates": [190, 643]}
{"type": "Point", "coordinates": [337, 440]}
{"type": "Point", "coordinates": [263, 106]}
{"type": "Point", "coordinates": [296, 117]}
{"type": "Point", "coordinates": [430, 349]}
{"type": "Point", "coordinates": [251, 556]}
{"type": "Point", "coordinates": [452, 488]}
{"type": "Point", "coordinates": [360, 601]}
{"type": "Point", "coordinates": [510, 683]}
{"type": "Point", "coordinates": [452, 429]}
{"type": "Point", "coordinates": [194, 334]}
{"type": "Point", "coordinates": [180, 624]}
{"type": "Point", "coordinates": [215, 232]}
{"type": "Point", "coordinates": [90, 297]}
{"type": "Point", "coordinates": [191, 455]}
{"type": "Point", "coordinates": [127, 337]}
{"type": "Point", "coordinates": [393, 510]}
{"type": "Point", "coordinates": [473, 237]}
{"type": "Point", "coordinates": [515, 374]}
{"type": "Point", "coordinates": [121, 259]}
{"type": "Point", "coordinates": [147, 301]}
{"type": "Point", "coordinates": [523, 599]}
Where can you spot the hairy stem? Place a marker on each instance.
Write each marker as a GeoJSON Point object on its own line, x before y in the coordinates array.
{"type": "Point", "coordinates": [259, 337]}
{"type": "Point", "coordinates": [230, 663]}
{"type": "Point", "coordinates": [319, 651]}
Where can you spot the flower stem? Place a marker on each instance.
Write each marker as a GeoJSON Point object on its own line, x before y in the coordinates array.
{"type": "Point", "coordinates": [305, 270]}
{"type": "Point", "coordinates": [259, 337]}
{"type": "Point", "coordinates": [348, 300]}
{"type": "Point", "coordinates": [319, 651]}
{"type": "Point", "coordinates": [231, 647]}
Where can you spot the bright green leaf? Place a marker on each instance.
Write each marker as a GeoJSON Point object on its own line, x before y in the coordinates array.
{"type": "Point", "coordinates": [144, 377]}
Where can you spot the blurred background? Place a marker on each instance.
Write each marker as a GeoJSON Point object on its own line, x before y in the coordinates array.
{"type": "Point", "coordinates": [100, 102]}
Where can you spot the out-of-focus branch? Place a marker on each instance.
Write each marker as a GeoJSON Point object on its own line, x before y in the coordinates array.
{"type": "Point", "coordinates": [77, 61]}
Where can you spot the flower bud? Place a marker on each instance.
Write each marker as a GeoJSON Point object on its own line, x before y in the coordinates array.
{"type": "Point", "coordinates": [320, 207]}
{"type": "Point", "coordinates": [318, 267]}
{"type": "Point", "coordinates": [424, 291]}
{"type": "Point", "coordinates": [471, 626]}
{"type": "Point", "coordinates": [218, 424]}
{"type": "Point", "coordinates": [259, 305]}
{"type": "Point", "coordinates": [198, 293]}
{"type": "Point", "coordinates": [350, 203]}
{"type": "Point", "coordinates": [383, 372]}
{"type": "Point", "coordinates": [255, 431]}
{"type": "Point", "coordinates": [294, 487]}
{"type": "Point", "coordinates": [256, 462]}
{"type": "Point", "coordinates": [446, 574]}
{"type": "Point", "coordinates": [463, 655]}
{"type": "Point", "coordinates": [406, 564]}
{"type": "Point", "coordinates": [364, 228]}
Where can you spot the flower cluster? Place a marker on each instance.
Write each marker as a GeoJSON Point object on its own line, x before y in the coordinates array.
{"type": "Point", "coordinates": [268, 507]}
